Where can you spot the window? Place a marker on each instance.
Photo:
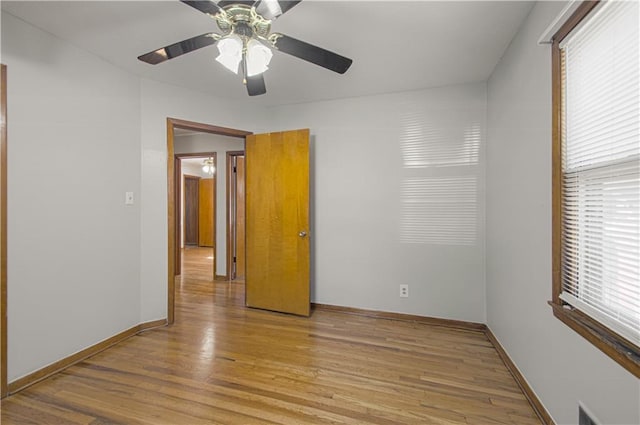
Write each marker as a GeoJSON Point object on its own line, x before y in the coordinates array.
{"type": "Point", "coordinates": [596, 181]}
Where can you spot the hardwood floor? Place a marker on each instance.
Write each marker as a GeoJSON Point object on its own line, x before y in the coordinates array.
{"type": "Point", "coordinates": [222, 363]}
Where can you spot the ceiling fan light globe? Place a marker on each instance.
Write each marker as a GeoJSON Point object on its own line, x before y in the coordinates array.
{"type": "Point", "coordinates": [258, 58]}
{"type": "Point", "coordinates": [231, 64]}
{"type": "Point", "coordinates": [273, 6]}
{"type": "Point", "coordinates": [230, 49]}
{"type": "Point", "coordinates": [207, 166]}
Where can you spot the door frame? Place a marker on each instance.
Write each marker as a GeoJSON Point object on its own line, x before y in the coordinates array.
{"type": "Point", "coordinates": [3, 231]}
{"type": "Point", "coordinates": [231, 218]}
{"type": "Point", "coordinates": [172, 217]}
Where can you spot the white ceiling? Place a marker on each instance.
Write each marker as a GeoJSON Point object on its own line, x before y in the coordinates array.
{"type": "Point", "coordinates": [395, 45]}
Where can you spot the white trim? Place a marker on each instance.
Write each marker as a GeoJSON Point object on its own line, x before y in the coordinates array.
{"type": "Point", "coordinates": [547, 35]}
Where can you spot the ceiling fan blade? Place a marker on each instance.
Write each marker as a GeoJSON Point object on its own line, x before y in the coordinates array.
{"type": "Point", "coordinates": [178, 49]}
{"type": "Point", "coordinates": [255, 85]}
{"type": "Point", "coordinates": [209, 7]}
{"type": "Point", "coordinates": [224, 3]}
{"type": "Point", "coordinates": [271, 9]}
{"type": "Point", "coordinates": [313, 54]}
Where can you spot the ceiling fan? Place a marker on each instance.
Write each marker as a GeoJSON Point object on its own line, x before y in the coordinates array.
{"type": "Point", "coordinates": [246, 41]}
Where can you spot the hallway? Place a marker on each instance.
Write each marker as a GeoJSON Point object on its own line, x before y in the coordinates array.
{"type": "Point", "coordinates": [195, 284]}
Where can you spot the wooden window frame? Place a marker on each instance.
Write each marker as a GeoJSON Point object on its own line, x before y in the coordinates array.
{"type": "Point", "coordinates": [609, 342]}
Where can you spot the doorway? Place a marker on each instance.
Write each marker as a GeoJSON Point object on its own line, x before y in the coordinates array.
{"type": "Point", "coordinates": [173, 201]}
{"type": "Point", "coordinates": [277, 217]}
{"type": "Point", "coordinates": [196, 210]}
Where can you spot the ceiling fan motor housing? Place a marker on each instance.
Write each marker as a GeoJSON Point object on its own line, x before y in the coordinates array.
{"type": "Point", "coordinates": [244, 21]}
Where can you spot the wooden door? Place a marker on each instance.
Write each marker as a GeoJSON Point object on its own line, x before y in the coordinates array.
{"type": "Point", "coordinates": [277, 221]}
{"type": "Point", "coordinates": [206, 212]}
{"type": "Point", "coordinates": [191, 198]}
{"type": "Point", "coordinates": [240, 218]}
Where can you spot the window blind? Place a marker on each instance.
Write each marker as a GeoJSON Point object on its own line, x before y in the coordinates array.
{"type": "Point", "coordinates": [601, 168]}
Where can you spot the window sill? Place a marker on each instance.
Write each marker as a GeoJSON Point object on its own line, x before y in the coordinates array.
{"type": "Point", "coordinates": [625, 353]}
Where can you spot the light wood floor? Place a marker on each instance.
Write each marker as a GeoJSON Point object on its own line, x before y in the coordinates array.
{"type": "Point", "coordinates": [224, 364]}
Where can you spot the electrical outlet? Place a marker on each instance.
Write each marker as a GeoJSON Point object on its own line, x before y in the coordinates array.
{"type": "Point", "coordinates": [404, 291]}
{"type": "Point", "coordinates": [128, 198]}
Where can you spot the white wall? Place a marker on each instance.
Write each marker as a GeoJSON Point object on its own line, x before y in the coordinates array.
{"type": "Point", "coordinates": [83, 266]}
{"type": "Point", "coordinates": [561, 366]}
{"type": "Point", "coordinates": [398, 195]}
{"type": "Point", "coordinates": [205, 142]}
{"type": "Point", "coordinates": [159, 101]}
{"type": "Point", "coordinates": [73, 245]}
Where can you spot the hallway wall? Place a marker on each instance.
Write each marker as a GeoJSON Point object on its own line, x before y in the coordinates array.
{"type": "Point", "coordinates": [204, 142]}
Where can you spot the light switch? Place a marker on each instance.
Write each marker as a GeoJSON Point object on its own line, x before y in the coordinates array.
{"type": "Point", "coordinates": [128, 198]}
